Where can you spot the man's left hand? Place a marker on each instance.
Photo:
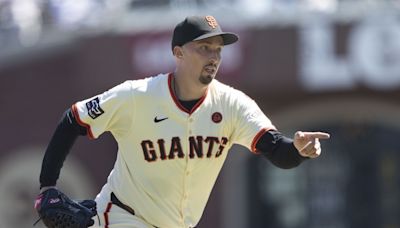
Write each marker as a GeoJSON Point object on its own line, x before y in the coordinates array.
{"type": "Point", "coordinates": [307, 143]}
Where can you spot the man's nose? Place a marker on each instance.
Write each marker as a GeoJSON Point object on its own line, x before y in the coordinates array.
{"type": "Point", "coordinates": [215, 57]}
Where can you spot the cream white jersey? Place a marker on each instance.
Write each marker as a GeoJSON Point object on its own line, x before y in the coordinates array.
{"type": "Point", "coordinates": [168, 157]}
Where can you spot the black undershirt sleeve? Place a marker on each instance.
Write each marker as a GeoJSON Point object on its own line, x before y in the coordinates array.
{"type": "Point", "coordinates": [279, 150]}
{"type": "Point", "coordinates": [59, 146]}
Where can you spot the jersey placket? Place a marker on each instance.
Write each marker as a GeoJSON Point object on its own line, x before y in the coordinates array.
{"type": "Point", "coordinates": [187, 176]}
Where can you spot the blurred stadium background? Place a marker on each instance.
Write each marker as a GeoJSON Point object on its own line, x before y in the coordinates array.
{"type": "Point", "coordinates": [326, 65]}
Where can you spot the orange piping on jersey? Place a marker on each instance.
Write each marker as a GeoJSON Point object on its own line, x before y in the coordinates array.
{"type": "Point", "coordinates": [106, 220]}
{"type": "Point", "coordinates": [80, 122]}
{"type": "Point", "coordinates": [176, 100]}
{"type": "Point", "coordinates": [199, 102]}
{"type": "Point", "coordinates": [256, 138]}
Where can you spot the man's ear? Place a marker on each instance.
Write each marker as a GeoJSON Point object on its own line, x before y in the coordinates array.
{"type": "Point", "coordinates": [178, 52]}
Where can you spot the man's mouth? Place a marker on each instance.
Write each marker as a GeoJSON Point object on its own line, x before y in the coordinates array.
{"type": "Point", "coordinates": [210, 69]}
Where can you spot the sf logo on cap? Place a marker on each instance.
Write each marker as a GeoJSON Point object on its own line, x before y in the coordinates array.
{"type": "Point", "coordinates": [211, 22]}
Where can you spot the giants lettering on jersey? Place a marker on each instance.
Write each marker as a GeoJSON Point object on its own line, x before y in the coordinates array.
{"type": "Point", "coordinates": [199, 147]}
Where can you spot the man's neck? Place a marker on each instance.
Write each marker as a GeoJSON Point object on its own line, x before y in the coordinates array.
{"type": "Point", "coordinates": [185, 89]}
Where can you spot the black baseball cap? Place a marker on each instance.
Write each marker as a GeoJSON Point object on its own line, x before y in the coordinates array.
{"type": "Point", "coordinates": [198, 28]}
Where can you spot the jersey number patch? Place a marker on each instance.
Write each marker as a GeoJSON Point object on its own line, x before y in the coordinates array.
{"type": "Point", "coordinates": [94, 109]}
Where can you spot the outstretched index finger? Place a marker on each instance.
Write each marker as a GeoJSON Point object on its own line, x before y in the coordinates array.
{"type": "Point", "coordinates": [316, 135]}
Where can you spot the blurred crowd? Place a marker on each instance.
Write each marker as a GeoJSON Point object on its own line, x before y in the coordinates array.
{"type": "Point", "coordinates": [24, 22]}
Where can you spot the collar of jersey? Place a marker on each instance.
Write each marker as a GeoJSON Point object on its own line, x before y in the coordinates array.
{"type": "Point", "coordinates": [176, 100]}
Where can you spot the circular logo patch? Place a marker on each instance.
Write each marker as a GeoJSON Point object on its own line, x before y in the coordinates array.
{"type": "Point", "coordinates": [216, 117]}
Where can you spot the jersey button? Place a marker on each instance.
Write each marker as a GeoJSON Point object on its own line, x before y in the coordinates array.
{"type": "Point", "coordinates": [190, 132]}
{"type": "Point", "coordinates": [191, 120]}
{"type": "Point", "coordinates": [187, 173]}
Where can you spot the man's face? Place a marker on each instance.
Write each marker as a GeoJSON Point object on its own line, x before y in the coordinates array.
{"type": "Point", "coordinates": [203, 58]}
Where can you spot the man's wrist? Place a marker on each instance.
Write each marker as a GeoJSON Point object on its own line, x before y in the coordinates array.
{"type": "Point", "coordinates": [43, 189]}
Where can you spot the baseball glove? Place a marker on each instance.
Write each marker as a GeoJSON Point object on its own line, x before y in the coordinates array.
{"type": "Point", "coordinates": [56, 210]}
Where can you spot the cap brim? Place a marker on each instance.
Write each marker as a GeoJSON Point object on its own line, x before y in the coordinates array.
{"type": "Point", "coordinates": [227, 37]}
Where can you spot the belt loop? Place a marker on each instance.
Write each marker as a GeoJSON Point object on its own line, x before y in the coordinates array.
{"type": "Point", "coordinates": [116, 201]}
{"type": "Point", "coordinates": [127, 208]}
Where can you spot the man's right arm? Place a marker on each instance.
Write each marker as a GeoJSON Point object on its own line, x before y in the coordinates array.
{"type": "Point", "coordinates": [60, 144]}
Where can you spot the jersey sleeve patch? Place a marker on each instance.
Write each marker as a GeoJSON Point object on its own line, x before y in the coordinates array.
{"type": "Point", "coordinates": [93, 108]}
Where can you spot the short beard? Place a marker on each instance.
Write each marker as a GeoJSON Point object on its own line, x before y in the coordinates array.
{"type": "Point", "coordinates": [206, 79]}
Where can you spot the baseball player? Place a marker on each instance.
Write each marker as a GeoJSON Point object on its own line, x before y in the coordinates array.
{"type": "Point", "coordinates": [174, 131]}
